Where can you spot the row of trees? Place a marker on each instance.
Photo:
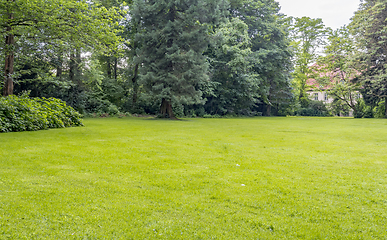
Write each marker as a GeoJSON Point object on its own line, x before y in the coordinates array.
{"type": "Point", "coordinates": [352, 59]}
{"type": "Point", "coordinates": [191, 57]}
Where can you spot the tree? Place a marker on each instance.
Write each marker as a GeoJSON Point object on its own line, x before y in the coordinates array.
{"type": "Point", "coordinates": [270, 53]}
{"type": "Point", "coordinates": [54, 23]}
{"type": "Point", "coordinates": [370, 28]}
{"type": "Point", "coordinates": [236, 86]}
{"type": "Point", "coordinates": [336, 70]}
{"type": "Point", "coordinates": [174, 37]}
{"type": "Point", "coordinates": [307, 36]}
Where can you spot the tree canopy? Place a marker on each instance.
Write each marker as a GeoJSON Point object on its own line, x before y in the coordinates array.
{"type": "Point", "coordinates": [190, 57]}
{"type": "Point", "coordinates": [55, 24]}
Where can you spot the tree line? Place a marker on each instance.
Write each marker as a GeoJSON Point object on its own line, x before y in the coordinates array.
{"type": "Point", "coordinates": [189, 58]}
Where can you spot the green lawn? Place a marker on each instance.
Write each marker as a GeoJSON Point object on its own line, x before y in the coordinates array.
{"type": "Point", "coordinates": [253, 178]}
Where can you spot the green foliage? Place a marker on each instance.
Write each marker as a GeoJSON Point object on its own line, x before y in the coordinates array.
{"type": "Point", "coordinates": [336, 70]}
{"type": "Point", "coordinates": [369, 27]}
{"type": "Point", "coordinates": [315, 108]}
{"type": "Point", "coordinates": [359, 110]}
{"type": "Point", "coordinates": [369, 112]}
{"type": "Point", "coordinates": [26, 114]}
{"type": "Point", "coordinates": [365, 111]}
{"type": "Point", "coordinates": [235, 85]}
{"type": "Point", "coordinates": [271, 54]}
{"type": "Point", "coordinates": [78, 23]}
{"type": "Point", "coordinates": [57, 26]}
{"type": "Point", "coordinates": [307, 36]}
{"type": "Point", "coordinates": [380, 110]}
{"type": "Point", "coordinates": [173, 65]}
{"type": "Point", "coordinates": [339, 108]}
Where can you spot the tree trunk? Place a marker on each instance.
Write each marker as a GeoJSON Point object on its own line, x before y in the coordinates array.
{"type": "Point", "coordinates": [115, 67]}
{"type": "Point", "coordinates": [59, 67]}
{"type": "Point", "coordinates": [135, 84]}
{"type": "Point", "coordinates": [166, 109]}
{"type": "Point", "coordinates": [166, 106]}
{"type": "Point", "coordinates": [268, 110]}
{"type": "Point", "coordinates": [9, 59]}
{"type": "Point", "coordinates": [108, 67]}
{"type": "Point", "coordinates": [78, 72]}
{"type": "Point", "coordinates": [72, 66]}
{"type": "Point", "coordinates": [9, 62]}
{"type": "Point", "coordinates": [385, 107]}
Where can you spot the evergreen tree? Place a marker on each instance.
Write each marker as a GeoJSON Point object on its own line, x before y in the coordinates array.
{"type": "Point", "coordinates": [174, 37]}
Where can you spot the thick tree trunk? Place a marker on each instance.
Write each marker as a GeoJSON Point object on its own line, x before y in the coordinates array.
{"type": "Point", "coordinates": [9, 59]}
{"type": "Point", "coordinates": [75, 71]}
{"type": "Point", "coordinates": [268, 110]}
{"type": "Point", "coordinates": [9, 63]}
{"type": "Point", "coordinates": [166, 109]}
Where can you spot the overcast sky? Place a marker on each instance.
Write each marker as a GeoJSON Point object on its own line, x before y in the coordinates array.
{"type": "Point", "coordinates": [334, 13]}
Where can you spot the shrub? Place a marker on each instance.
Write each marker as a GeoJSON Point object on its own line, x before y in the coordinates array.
{"type": "Point", "coordinates": [368, 112]}
{"type": "Point", "coordinates": [315, 108]}
{"type": "Point", "coordinates": [380, 110]}
{"type": "Point", "coordinates": [32, 114]}
{"type": "Point", "coordinates": [359, 109]}
{"type": "Point", "coordinates": [211, 116]}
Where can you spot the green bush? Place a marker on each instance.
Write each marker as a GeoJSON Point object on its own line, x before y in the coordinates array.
{"type": "Point", "coordinates": [315, 108]}
{"type": "Point", "coordinates": [32, 114]}
{"type": "Point", "coordinates": [368, 112]}
{"type": "Point", "coordinates": [359, 110]}
{"type": "Point", "coordinates": [380, 110]}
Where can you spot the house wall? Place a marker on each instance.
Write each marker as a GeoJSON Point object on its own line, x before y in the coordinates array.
{"type": "Point", "coordinates": [320, 96]}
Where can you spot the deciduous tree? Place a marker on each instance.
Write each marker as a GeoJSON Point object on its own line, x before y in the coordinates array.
{"type": "Point", "coordinates": [336, 69]}
{"type": "Point", "coordinates": [307, 36]}
{"type": "Point", "coordinates": [370, 28]}
{"type": "Point", "coordinates": [53, 23]}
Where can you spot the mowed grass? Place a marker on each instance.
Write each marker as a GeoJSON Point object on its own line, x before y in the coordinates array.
{"type": "Point", "coordinates": [253, 178]}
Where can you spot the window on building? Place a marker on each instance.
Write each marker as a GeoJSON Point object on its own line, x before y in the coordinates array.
{"type": "Point", "coordinates": [316, 96]}
{"type": "Point", "coordinates": [325, 96]}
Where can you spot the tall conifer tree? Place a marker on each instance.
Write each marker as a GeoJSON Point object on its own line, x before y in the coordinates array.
{"type": "Point", "coordinates": [174, 38]}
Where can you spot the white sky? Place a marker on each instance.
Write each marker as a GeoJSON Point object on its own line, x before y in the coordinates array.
{"type": "Point", "coordinates": [334, 13]}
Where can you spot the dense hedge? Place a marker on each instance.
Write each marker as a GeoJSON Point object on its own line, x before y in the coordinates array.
{"type": "Point", "coordinates": [31, 114]}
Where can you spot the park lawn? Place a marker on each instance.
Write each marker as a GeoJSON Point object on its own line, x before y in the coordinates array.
{"type": "Point", "coordinates": [247, 178]}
